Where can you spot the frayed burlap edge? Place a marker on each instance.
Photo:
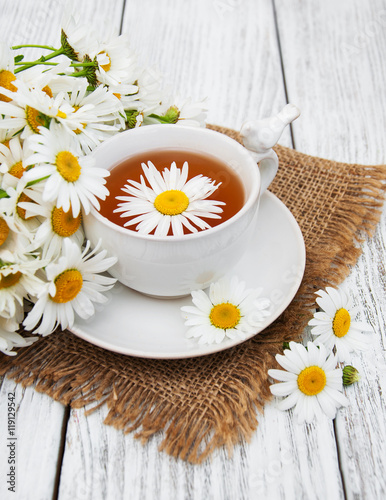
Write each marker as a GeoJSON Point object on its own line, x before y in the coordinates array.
{"type": "Point", "coordinates": [76, 373]}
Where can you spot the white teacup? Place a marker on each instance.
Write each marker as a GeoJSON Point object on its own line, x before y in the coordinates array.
{"type": "Point", "coordinates": [173, 266]}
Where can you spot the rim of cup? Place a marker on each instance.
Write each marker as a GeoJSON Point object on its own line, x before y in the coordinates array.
{"type": "Point", "coordinates": [250, 201]}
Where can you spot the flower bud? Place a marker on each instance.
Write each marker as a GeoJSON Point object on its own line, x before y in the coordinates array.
{"type": "Point", "coordinates": [350, 375]}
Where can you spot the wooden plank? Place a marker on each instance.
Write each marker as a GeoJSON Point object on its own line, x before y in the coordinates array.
{"type": "Point", "coordinates": [232, 57]}
{"type": "Point", "coordinates": [361, 431]}
{"type": "Point", "coordinates": [39, 419]}
{"type": "Point", "coordinates": [334, 72]}
{"type": "Point", "coordinates": [224, 50]}
{"type": "Point", "coordinates": [333, 55]}
{"type": "Point", "coordinates": [37, 441]}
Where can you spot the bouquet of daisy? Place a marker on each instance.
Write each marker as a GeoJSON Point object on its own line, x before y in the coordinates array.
{"type": "Point", "coordinates": [54, 110]}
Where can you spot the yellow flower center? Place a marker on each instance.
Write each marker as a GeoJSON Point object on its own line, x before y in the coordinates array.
{"type": "Point", "coordinates": [341, 323]}
{"type": "Point", "coordinates": [106, 67]}
{"type": "Point", "coordinates": [10, 280]}
{"type": "Point", "coordinates": [17, 170]}
{"type": "Point", "coordinates": [6, 143]}
{"type": "Point", "coordinates": [48, 91]}
{"type": "Point", "coordinates": [78, 130]}
{"type": "Point", "coordinates": [34, 118]}
{"type": "Point", "coordinates": [6, 79]}
{"type": "Point", "coordinates": [68, 166]}
{"type": "Point", "coordinates": [63, 223]}
{"type": "Point", "coordinates": [311, 380]}
{"type": "Point", "coordinates": [60, 114]}
{"type": "Point", "coordinates": [68, 284]}
{"type": "Point", "coordinates": [4, 231]}
{"type": "Point", "coordinates": [21, 211]}
{"type": "Point", "coordinates": [117, 95]}
{"type": "Point", "coordinates": [171, 202]}
{"type": "Point", "coordinates": [224, 315]}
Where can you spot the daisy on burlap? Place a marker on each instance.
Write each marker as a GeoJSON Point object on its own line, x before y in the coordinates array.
{"type": "Point", "coordinates": [18, 280]}
{"type": "Point", "coordinates": [10, 339]}
{"type": "Point", "coordinates": [71, 178]}
{"type": "Point", "coordinates": [335, 327]}
{"type": "Point", "coordinates": [171, 202]}
{"type": "Point", "coordinates": [310, 382]}
{"type": "Point", "coordinates": [73, 285]}
{"type": "Point", "coordinates": [229, 311]}
{"type": "Point", "coordinates": [55, 226]}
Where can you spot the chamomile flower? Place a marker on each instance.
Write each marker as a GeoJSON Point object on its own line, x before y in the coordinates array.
{"type": "Point", "coordinates": [55, 226]}
{"type": "Point", "coordinates": [335, 327]}
{"type": "Point", "coordinates": [10, 340]}
{"type": "Point", "coordinates": [98, 115]}
{"type": "Point", "coordinates": [185, 112]}
{"type": "Point", "coordinates": [77, 38]}
{"type": "Point", "coordinates": [10, 238]}
{"type": "Point", "coordinates": [72, 179]}
{"type": "Point", "coordinates": [74, 284]}
{"type": "Point", "coordinates": [13, 214]}
{"type": "Point", "coordinates": [310, 382]}
{"type": "Point", "coordinates": [230, 311]}
{"type": "Point", "coordinates": [32, 109]}
{"type": "Point", "coordinates": [6, 136]}
{"type": "Point", "coordinates": [171, 201]}
{"type": "Point", "coordinates": [18, 280]}
{"type": "Point", "coordinates": [116, 62]}
{"type": "Point", "coordinates": [11, 157]}
{"type": "Point", "coordinates": [51, 81]}
{"type": "Point", "coordinates": [7, 68]}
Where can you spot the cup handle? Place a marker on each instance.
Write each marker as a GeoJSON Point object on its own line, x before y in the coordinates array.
{"type": "Point", "coordinates": [268, 166]}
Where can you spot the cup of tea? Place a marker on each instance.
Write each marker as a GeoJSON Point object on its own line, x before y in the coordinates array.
{"type": "Point", "coordinates": [172, 262]}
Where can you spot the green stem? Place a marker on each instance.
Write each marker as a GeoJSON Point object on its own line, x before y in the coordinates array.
{"type": "Point", "coordinates": [72, 65]}
{"type": "Point", "coordinates": [42, 60]}
{"type": "Point", "coordinates": [36, 181]}
{"type": "Point", "coordinates": [161, 119]}
{"type": "Point", "coordinates": [35, 63]}
{"type": "Point", "coordinates": [16, 47]}
{"type": "Point", "coordinates": [82, 64]}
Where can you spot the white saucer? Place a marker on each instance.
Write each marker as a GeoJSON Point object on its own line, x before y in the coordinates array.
{"type": "Point", "coordinates": [137, 325]}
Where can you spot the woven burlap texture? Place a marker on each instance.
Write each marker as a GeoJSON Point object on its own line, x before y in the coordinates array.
{"type": "Point", "coordinates": [203, 403]}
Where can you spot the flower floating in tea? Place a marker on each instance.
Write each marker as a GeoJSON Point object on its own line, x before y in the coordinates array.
{"type": "Point", "coordinates": [170, 201]}
{"type": "Point", "coordinates": [310, 381]}
{"type": "Point", "coordinates": [335, 327]}
{"type": "Point", "coordinates": [230, 311]}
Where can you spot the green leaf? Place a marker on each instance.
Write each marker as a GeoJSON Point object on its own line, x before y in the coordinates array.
{"type": "Point", "coordinates": [3, 194]}
{"type": "Point", "coordinates": [31, 183]}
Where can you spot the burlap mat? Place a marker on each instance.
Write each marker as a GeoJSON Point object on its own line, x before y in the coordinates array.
{"type": "Point", "coordinates": [203, 403]}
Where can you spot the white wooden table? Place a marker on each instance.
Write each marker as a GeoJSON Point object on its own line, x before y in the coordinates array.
{"type": "Point", "coordinates": [249, 57]}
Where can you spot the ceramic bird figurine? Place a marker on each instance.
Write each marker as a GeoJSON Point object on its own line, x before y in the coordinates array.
{"type": "Point", "coordinates": [259, 137]}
